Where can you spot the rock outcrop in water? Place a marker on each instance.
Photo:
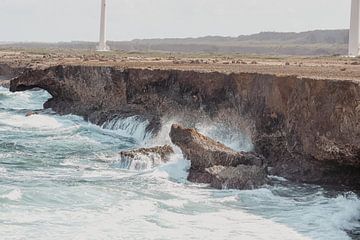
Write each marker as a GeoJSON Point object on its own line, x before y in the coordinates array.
{"type": "Point", "coordinates": [216, 164]}
{"type": "Point", "coordinates": [143, 157]}
{"type": "Point", "coordinates": [239, 177]}
{"type": "Point", "coordinates": [307, 129]}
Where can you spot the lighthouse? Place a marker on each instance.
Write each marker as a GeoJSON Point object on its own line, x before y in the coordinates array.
{"type": "Point", "coordinates": [354, 33]}
{"type": "Point", "coordinates": [102, 42]}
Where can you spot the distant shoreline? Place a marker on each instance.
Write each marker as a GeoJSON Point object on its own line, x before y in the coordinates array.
{"type": "Point", "coordinates": [310, 43]}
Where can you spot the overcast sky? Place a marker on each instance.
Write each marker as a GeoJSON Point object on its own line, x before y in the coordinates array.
{"type": "Point", "coordinates": [65, 20]}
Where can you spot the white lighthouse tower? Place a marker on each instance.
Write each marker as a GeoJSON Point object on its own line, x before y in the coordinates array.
{"type": "Point", "coordinates": [102, 42]}
{"type": "Point", "coordinates": [354, 34]}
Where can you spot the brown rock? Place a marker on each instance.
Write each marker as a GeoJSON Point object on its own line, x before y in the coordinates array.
{"type": "Point", "coordinates": [240, 177]}
{"type": "Point", "coordinates": [142, 157]}
{"type": "Point", "coordinates": [205, 152]}
{"type": "Point", "coordinates": [28, 114]}
{"type": "Point", "coordinates": [216, 164]}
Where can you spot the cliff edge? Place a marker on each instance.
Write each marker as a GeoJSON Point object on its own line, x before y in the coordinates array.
{"type": "Point", "coordinates": [308, 130]}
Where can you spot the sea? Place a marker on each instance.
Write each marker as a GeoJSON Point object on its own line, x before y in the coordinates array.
{"type": "Point", "coordinates": [61, 178]}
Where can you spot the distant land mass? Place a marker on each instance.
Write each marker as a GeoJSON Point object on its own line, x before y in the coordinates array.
{"type": "Point", "coordinates": [310, 43]}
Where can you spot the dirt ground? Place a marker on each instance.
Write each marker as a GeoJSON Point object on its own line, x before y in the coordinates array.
{"type": "Point", "coordinates": [342, 68]}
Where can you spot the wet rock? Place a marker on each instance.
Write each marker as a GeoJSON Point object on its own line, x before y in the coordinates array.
{"type": "Point", "coordinates": [205, 152]}
{"type": "Point", "coordinates": [28, 114]}
{"type": "Point", "coordinates": [143, 158]}
{"type": "Point", "coordinates": [240, 177]}
{"type": "Point", "coordinates": [215, 164]}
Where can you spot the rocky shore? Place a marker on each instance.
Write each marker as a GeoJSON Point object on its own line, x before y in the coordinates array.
{"type": "Point", "coordinates": [307, 130]}
{"type": "Point", "coordinates": [215, 164]}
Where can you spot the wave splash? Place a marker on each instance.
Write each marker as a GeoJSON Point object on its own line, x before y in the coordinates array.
{"type": "Point", "coordinates": [134, 126]}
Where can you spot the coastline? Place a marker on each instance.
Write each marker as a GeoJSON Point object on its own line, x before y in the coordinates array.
{"type": "Point", "coordinates": [307, 128]}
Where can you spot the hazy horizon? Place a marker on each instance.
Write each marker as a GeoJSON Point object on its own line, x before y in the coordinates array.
{"type": "Point", "coordinates": [69, 20]}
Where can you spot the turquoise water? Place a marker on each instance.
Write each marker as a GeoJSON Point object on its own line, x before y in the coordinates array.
{"type": "Point", "coordinates": [60, 179]}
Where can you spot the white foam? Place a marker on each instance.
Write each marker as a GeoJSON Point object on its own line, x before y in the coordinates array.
{"type": "Point", "coordinates": [74, 162]}
{"type": "Point", "coordinates": [31, 122]}
{"type": "Point", "coordinates": [277, 178]}
{"type": "Point", "coordinates": [348, 215]}
{"type": "Point", "coordinates": [176, 169]}
{"type": "Point", "coordinates": [2, 169]}
{"type": "Point", "coordinates": [312, 213]}
{"type": "Point", "coordinates": [162, 137]}
{"type": "Point", "coordinates": [14, 195]}
{"type": "Point", "coordinates": [134, 127]}
{"type": "Point", "coordinates": [24, 100]}
{"type": "Point", "coordinates": [5, 155]}
{"type": "Point", "coordinates": [140, 163]}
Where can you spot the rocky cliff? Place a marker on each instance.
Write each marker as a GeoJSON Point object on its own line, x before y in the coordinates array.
{"type": "Point", "coordinates": [6, 73]}
{"type": "Point", "coordinates": [308, 130]}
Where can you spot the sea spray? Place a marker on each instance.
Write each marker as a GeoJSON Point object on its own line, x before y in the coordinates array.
{"type": "Point", "coordinates": [232, 137]}
{"type": "Point", "coordinates": [134, 126]}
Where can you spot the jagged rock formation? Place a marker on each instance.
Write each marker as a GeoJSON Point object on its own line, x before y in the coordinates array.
{"type": "Point", "coordinates": [307, 129]}
{"type": "Point", "coordinates": [206, 152]}
{"type": "Point", "coordinates": [142, 157]}
{"type": "Point", "coordinates": [214, 163]}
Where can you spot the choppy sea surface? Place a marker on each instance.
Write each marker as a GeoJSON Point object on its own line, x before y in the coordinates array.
{"type": "Point", "coordinates": [60, 179]}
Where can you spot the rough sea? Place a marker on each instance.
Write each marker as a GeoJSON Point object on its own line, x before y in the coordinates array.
{"type": "Point", "coordinates": [60, 178]}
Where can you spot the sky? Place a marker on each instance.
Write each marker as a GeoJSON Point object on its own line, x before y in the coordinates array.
{"type": "Point", "coordinates": [67, 20]}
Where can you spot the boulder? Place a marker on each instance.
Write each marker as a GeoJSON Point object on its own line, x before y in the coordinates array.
{"type": "Point", "coordinates": [205, 152]}
{"type": "Point", "coordinates": [214, 163]}
{"type": "Point", "coordinates": [144, 158]}
{"type": "Point", "coordinates": [30, 113]}
{"type": "Point", "coordinates": [240, 177]}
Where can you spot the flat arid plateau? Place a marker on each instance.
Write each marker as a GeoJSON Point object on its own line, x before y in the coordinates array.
{"type": "Point", "coordinates": [341, 68]}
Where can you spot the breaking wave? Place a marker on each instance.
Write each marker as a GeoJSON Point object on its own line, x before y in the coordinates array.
{"type": "Point", "coordinates": [133, 126]}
